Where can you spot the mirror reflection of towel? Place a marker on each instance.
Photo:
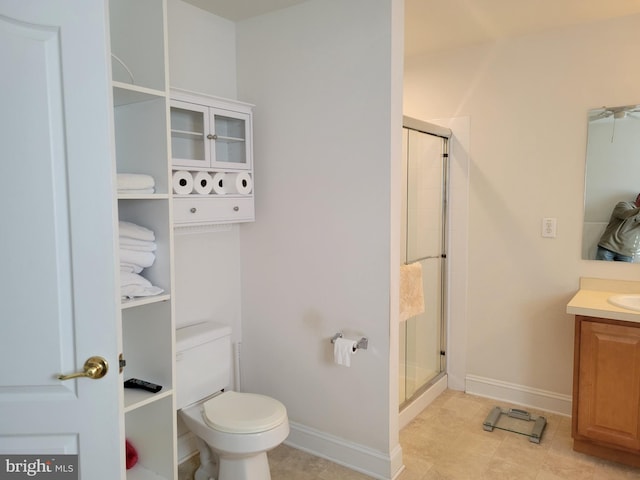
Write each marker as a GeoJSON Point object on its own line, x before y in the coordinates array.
{"type": "Point", "coordinates": [411, 291]}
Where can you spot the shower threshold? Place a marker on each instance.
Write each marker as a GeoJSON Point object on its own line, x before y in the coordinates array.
{"type": "Point", "coordinates": [516, 421]}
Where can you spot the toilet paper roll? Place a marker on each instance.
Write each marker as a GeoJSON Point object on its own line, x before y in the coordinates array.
{"type": "Point", "coordinates": [239, 183]}
{"type": "Point", "coordinates": [202, 183]}
{"type": "Point", "coordinates": [343, 349]}
{"type": "Point", "coordinates": [182, 182]}
{"type": "Point", "coordinates": [219, 183]}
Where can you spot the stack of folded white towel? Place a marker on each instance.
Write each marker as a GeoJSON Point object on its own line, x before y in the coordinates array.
{"type": "Point", "coordinates": [137, 247]}
{"type": "Point", "coordinates": [135, 183]}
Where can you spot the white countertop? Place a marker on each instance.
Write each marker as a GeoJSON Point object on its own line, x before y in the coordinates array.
{"type": "Point", "coordinates": [592, 299]}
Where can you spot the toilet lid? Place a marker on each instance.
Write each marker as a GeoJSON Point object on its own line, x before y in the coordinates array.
{"type": "Point", "coordinates": [236, 412]}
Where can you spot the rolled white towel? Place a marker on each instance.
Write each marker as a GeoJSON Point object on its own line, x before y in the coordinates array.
{"type": "Point", "coordinates": [135, 181]}
{"type": "Point", "coordinates": [130, 268]}
{"type": "Point", "coordinates": [141, 191]}
{"type": "Point", "coordinates": [138, 245]}
{"type": "Point", "coordinates": [134, 285]}
{"type": "Point", "coordinates": [137, 232]}
{"type": "Point", "coordinates": [142, 259]}
{"type": "Point", "coordinates": [132, 291]}
{"type": "Point", "coordinates": [133, 279]}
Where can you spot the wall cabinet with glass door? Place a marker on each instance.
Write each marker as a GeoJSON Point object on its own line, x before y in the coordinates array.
{"type": "Point", "coordinates": [211, 159]}
{"type": "Point", "coordinates": [209, 132]}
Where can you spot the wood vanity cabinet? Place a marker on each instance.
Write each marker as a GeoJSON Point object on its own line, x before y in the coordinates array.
{"type": "Point", "coordinates": [606, 389]}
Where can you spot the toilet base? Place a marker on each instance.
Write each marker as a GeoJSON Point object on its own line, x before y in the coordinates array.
{"type": "Point", "coordinates": [255, 467]}
{"type": "Point", "coordinates": [201, 474]}
{"type": "Point", "coordinates": [214, 466]}
{"type": "Point", "coordinates": [208, 469]}
{"type": "Point", "coordinates": [232, 456]}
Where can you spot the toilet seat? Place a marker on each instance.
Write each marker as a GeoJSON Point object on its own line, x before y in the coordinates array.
{"type": "Point", "coordinates": [236, 412]}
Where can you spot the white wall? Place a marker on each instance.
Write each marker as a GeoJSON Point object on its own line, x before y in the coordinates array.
{"type": "Point", "coordinates": [207, 265]}
{"type": "Point", "coordinates": [318, 258]}
{"type": "Point", "coordinates": [527, 100]}
{"type": "Point", "coordinates": [202, 50]}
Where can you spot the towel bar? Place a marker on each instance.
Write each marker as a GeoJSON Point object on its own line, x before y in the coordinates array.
{"type": "Point", "coordinates": [362, 344]}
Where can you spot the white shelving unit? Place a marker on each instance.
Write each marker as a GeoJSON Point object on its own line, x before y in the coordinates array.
{"type": "Point", "coordinates": [212, 135]}
{"type": "Point", "coordinates": [141, 124]}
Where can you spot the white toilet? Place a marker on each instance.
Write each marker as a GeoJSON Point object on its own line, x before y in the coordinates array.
{"type": "Point", "coordinates": [233, 430]}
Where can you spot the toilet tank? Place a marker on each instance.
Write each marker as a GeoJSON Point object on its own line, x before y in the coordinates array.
{"type": "Point", "coordinates": [203, 361]}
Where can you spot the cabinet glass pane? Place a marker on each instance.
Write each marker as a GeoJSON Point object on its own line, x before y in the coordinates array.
{"type": "Point", "coordinates": [187, 134]}
{"type": "Point", "coordinates": [231, 135]}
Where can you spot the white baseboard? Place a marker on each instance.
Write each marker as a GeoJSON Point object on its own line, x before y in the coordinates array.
{"type": "Point", "coordinates": [351, 455]}
{"type": "Point", "coordinates": [519, 394]}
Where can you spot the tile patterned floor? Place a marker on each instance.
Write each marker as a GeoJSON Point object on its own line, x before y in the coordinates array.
{"type": "Point", "coordinates": [447, 442]}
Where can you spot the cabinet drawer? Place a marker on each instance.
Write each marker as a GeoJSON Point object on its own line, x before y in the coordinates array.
{"type": "Point", "coordinates": [194, 210]}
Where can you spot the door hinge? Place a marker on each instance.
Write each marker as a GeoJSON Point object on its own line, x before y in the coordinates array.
{"type": "Point", "coordinates": [121, 362]}
{"type": "Point", "coordinates": [443, 353]}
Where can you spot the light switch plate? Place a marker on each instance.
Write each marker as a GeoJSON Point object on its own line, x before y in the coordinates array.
{"type": "Point", "coordinates": [549, 227]}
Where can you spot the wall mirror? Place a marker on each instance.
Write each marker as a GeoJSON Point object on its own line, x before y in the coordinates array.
{"type": "Point", "coordinates": [612, 170]}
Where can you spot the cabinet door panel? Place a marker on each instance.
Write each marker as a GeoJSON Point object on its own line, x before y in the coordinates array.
{"type": "Point", "coordinates": [189, 130]}
{"type": "Point", "coordinates": [609, 384]}
{"type": "Point", "coordinates": [233, 140]}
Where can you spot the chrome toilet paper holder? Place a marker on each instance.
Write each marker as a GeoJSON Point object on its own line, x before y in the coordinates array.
{"type": "Point", "coordinates": [361, 344]}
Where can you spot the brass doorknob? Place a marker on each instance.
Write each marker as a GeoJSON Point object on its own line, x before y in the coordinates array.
{"type": "Point", "coordinates": [94, 367]}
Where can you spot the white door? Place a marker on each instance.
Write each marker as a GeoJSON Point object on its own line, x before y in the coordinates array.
{"type": "Point", "coordinates": [58, 299]}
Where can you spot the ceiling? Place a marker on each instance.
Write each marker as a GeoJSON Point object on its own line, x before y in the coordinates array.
{"type": "Point", "coordinates": [432, 25]}
{"type": "Point", "coordinates": [443, 24]}
{"type": "Point", "coordinates": [237, 10]}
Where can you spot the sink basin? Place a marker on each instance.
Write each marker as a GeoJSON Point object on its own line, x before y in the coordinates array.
{"type": "Point", "coordinates": [626, 300]}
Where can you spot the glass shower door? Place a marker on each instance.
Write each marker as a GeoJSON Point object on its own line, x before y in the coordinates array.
{"type": "Point", "coordinates": [426, 174]}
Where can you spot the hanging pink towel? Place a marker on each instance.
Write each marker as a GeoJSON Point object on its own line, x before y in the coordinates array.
{"type": "Point", "coordinates": [411, 291]}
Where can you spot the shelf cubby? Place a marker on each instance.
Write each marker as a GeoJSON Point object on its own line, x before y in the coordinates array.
{"type": "Point", "coordinates": [141, 139]}
{"type": "Point", "coordinates": [148, 350]}
{"type": "Point", "coordinates": [138, 42]}
{"type": "Point", "coordinates": [154, 215]}
{"type": "Point", "coordinates": [150, 430]}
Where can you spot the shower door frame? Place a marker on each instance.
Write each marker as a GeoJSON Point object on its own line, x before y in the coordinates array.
{"type": "Point", "coordinates": [444, 134]}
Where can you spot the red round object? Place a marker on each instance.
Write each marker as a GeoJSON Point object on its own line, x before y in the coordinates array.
{"type": "Point", "coordinates": [131, 454]}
